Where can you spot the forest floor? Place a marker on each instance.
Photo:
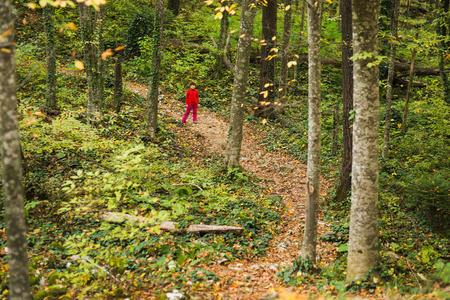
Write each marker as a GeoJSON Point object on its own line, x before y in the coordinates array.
{"type": "Point", "coordinates": [284, 175]}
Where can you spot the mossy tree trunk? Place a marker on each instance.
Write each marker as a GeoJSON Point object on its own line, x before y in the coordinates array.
{"type": "Point", "coordinates": [91, 38]}
{"type": "Point", "coordinates": [390, 79]}
{"type": "Point", "coordinates": [152, 96]}
{"type": "Point", "coordinates": [50, 54]}
{"type": "Point", "coordinates": [13, 193]}
{"type": "Point", "coordinates": [363, 242]}
{"type": "Point", "coordinates": [314, 132]}
{"type": "Point", "coordinates": [347, 101]}
{"type": "Point", "coordinates": [234, 141]}
{"type": "Point", "coordinates": [285, 51]}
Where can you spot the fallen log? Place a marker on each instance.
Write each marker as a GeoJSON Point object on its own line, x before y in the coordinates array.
{"type": "Point", "coordinates": [170, 226]}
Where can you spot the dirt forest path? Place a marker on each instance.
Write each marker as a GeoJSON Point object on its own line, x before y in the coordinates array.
{"type": "Point", "coordinates": [285, 176]}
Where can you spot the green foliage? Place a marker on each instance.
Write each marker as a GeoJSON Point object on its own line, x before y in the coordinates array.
{"type": "Point", "coordinates": [300, 270]}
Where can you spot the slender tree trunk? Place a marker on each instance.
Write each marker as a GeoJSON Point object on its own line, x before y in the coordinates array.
{"type": "Point", "coordinates": [300, 38]}
{"type": "Point", "coordinates": [314, 132]}
{"type": "Point", "coordinates": [89, 54]}
{"type": "Point", "coordinates": [408, 90]}
{"type": "Point", "coordinates": [50, 93]}
{"type": "Point", "coordinates": [363, 250]}
{"type": "Point", "coordinates": [13, 194]}
{"type": "Point", "coordinates": [267, 67]}
{"type": "Point", "coordinates": [100, 63]}
{"type": "Point", "coordinates": [347, 101]}
{"type": "Point", "coordinates": [234, 141]}
{"type": "Point", "coordinates": [285, 50]}
{"type": "Point", "coordinates": [444, 32]}
{"type": "Point", "coordinates": [118, 88]}
{"type": "Point", "coordinates": [390, 79]}
{"type": "Point", "coordinates": [221, 43]}
{"type": "Point", "coordinates": [152, 96]}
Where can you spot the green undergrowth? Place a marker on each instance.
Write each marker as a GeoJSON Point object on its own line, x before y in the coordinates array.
{"type": "Point", "coordinates": [76, 173]}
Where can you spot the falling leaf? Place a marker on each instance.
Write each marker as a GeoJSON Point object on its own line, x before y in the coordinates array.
{"type": "Point", "coordinates": [287, 8]}
{"type": "Point", "coordinates": [242, 35]}
{"type": "Point", "coordinates": [32, 5]}
{"type": "Point", "coordinates": [329, 1]}
{"type": "Point", "coordinates": [267, 85]}
{"type": "Point", "coordinates": [79, 65]}
{"type": "Point", "coordinates": [209, 2]}
{"type": "Point", "coordinates": [274, 38]}
{"type": "Point", "coordinates": [107, 53]}
{"type": "Point", "coordinates": [219, 16]}
{"type": "Point", "coordinates": [6, 33]}
{"type": "Point", "coordinates": [291, 63]}
{"type": "Point", "coordinates": [119, 48]}
{"type": "Point", "coordinates": [40, 114]}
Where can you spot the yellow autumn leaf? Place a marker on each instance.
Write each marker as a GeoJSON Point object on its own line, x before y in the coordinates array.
{"type": "Point", "coordinates": [267, 85]}
{"type": "Point", "coordinates": [287, 8]}
{"type": "Point", "coordinates": [209, 2]}
{"type": "Point", "coordinates": [79, 65]}
{"type": "Point", "coordinates": [31, 5]}
{"type": "Point", "coordinates": [329, 1]}
{"type": "Point", "coordinates": [291, 63]}
{"type": "Point", "coordinates": [40, 114]}
{"type": "Point", "coordinates": [264, 122]}
{"type": "Point", "coordinates": [72, 26]}
{"type": "Point", "coordinates": [43, 3]}
{"type": "Point", "coordinates": [107, 53]}
{"type": "Point", "coordinates": [274, 38]}
{"type": "Point", "coordinates": [6, 33]}
{"type": "Point", "coordinates": [219, 16]}
{"type": "Point", "coordinates": [242, 35]}
{"type": "Point", "coordinates": [233, 31]}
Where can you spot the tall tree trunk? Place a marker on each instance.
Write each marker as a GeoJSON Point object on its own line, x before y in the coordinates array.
{"type": "Point", "coordinates": [285, 50]}
{"type": "Point", "coordinates": [363, 241]}
{"type": "Point", "coordinates": [444, 32]}
{"type": "Point", "coordinates": [13, 194]}
{"type": "Point", "coordinates": [347, 101]}
{"type": "Point", "coordinates": [118, 87]}
{"type": "Point", "coordinates": [152, 96]}
{"type": "Point", "coordinates": [174, 6]}
{"type": "Point", "coordinates": [267, 66]}
{"type": "Point", "coordinates": [300, 38]}
{"type": "Point", "coordinates": [408, 90]}
{"type": "Point", "coordinates": [234, 141]}
{"type": "Point", "coordinates": [222, 42]}
{"type": "Point", "coordinates": [89, 56]}
{"type": "Point", "coordinates": [100, 63]}
{"type": "Point", "coordinates": [50, 93]}
{"type": "Point", "coordinates": [314, 132]}
{"type": "Point", "coordinates": [390, 79]}
{"type": "Point", "coordinates": [335, 129]}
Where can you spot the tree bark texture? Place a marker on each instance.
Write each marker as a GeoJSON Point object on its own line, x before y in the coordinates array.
{"type": "Point", "coordinates": [285, 50]}
{"type": "Point", "coordinates": [314, 132]}
{"type": "Point", "coordinates": [89, 56]}
{"type": "Point", "coordinates": [152, 96]}
{"type": "Point", "coordinates": [347, 101]}
{"type": "Point", "coordinates": [234, 141]}
{"type": "Point", "coordinates": [100, 65]}
{"type": "Point", "coordinates": [221, 43]}
{"type": "Point", "coordinates": [13, 193]}
{"type": "Point", "coordinates": [390, 79]}
{"type": "Point", "coordinates": [50, 93]}
{"type": "Point", "coordinates": [444, 32]}
{"type": "Point", "coordinates": [267, 66]}
{"type": "Point", "coordinates": [363, 241]}
{"type": "Point", "coordinates": [408, 90]}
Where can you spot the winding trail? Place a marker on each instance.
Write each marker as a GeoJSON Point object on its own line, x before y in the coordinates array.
{"type": "Point", "coordinates": [285, 176]}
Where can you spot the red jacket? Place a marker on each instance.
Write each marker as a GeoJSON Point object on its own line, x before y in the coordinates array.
{"type": "Point", "coordinates": [192, 97]}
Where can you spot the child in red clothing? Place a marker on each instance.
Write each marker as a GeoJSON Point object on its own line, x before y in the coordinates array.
{"type": "Point", "coordinates": [192, 100]}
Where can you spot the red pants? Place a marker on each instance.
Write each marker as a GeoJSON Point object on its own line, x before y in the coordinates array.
{"type": "Point", "coordinates": [188, 110]}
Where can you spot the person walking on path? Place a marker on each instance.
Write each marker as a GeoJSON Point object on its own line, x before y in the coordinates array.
{"type": "Point", "coordinates": [192, 100]}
